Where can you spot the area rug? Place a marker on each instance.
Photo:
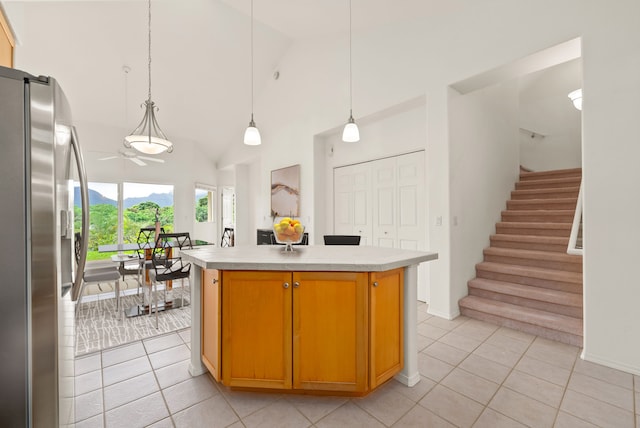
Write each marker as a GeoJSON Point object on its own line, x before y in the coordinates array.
{"type": "Point", "coordinates": [99, 326]}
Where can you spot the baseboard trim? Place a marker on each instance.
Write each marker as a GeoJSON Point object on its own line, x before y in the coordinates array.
{"type": "Point", "coordinates": [408, 380]}
{"type": "Point", "coordinates": [593, 358]}
{"type": "Point", "coordinates": [446, 315]}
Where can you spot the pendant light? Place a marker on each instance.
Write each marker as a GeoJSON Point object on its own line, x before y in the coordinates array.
{"type": "Point", "coordinates": [350, 134]}
{"type": "Point", "coordinates": [148, 138]}
{"type": "Point", "coordinates": [251, 134]}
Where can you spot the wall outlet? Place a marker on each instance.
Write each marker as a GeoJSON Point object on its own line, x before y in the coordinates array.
{"type": "Point", "coordinates": [439, 221]}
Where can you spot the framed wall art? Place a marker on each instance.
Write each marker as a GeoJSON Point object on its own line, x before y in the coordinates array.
{"type": "Point", "coordinates": [285, 192]}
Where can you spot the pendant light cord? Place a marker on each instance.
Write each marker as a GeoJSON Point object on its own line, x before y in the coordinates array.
{"type": "Point", "coordinates": [149, 64]}
{"type": "Point", "coordinates": [251, 60]}
{"type": "Point", "coordinates": [350, 66]}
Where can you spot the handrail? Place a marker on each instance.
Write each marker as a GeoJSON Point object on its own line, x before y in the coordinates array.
{"type": "Point", "coordinates": [575, 239]}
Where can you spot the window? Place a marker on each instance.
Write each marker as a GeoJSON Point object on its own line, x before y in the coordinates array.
{"type": "Point", "coordinates": [141, 204]}
{"type": "Point", "coordinates": [103, 216]}
{"type": "Point", "coordinates": [205, 203]}
{"type": "Point", "coordinates": [118, 211]}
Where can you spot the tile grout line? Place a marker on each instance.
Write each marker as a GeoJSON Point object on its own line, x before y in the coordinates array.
{"type": "Point", "coordinates": [565, 389]}
{"type": "Point", "coordinates": [503, 381]}
{"type": "Point", "coordinates": [155, 377]}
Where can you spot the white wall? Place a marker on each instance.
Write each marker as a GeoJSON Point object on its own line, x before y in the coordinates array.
{"type": "Point", "coordinates": [611, 149]}
{"type": "Point", "coordinates": [423, 58]}
{"type": "Point", "coordinates": [546, 110]}
{"type": "Point", "coordinates": [484, 165]}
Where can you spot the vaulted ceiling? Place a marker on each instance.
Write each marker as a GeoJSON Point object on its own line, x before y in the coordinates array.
{"type": "Point", "coordinates": [200, 49]}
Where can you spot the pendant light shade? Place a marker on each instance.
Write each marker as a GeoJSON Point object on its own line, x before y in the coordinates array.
{"type": "Point", "coordinates": [148, 138]}
{"type": "Point", "coordinates": [251, 134]}
{"type": "Point", "coordinates": [350, 133]}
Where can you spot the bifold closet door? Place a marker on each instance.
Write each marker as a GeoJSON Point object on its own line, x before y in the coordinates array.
{"type": "Point", "coordinates": [352, 201]}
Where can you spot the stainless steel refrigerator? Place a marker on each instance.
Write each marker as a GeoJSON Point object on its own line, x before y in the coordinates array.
{"type": "Point", "coordinates": [38, 145]}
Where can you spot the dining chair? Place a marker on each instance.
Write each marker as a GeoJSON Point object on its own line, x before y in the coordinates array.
{"type": "Point", "coordinates": [141, 262]}
{"type": "Point", "coordinates": [341, 239]}
{"type": "Point", "coordinates": [167, 266]}
{"type": "Point", "coordinates": [96, 275]}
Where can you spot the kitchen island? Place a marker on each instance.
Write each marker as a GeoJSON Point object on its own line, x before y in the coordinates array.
{"type": "Point", "coordinates": [337, 319]}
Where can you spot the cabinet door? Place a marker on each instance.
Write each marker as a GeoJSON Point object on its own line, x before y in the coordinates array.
{"type": "Point", "coordinates": [330, 339]}
{"type": "Point", "coordinates": [386, 325]}
{"type": "Point", "coordinates": [256, 332]}
{"type": "Point", "coordinates": [211, 335]}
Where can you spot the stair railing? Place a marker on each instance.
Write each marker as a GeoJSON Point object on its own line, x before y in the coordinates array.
{"type": "Point", "coordinates": [575, 239]}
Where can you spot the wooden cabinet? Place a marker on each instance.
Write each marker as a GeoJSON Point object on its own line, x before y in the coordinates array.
{"type": "Point", "coordinates": [330, 339]}
{"type": "Point", "coordinates": [7, 43]}
{"type": "Point", "coordinates": [306, 331]}
{"type": "Point", "coordinates": [256, 329]}
{"type": "Point", "coordinates": [211, 321]}
{"type": "Point", "coordinates": [302, 330]}
{"type": "Point", "coordinates": [386, 331]}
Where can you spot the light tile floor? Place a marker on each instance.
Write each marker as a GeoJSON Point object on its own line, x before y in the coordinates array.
{"type": "Point", "coordinates": [474, 374]}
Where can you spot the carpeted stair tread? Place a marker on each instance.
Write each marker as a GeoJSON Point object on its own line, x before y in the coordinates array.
{"type": "Point", "coordinates": [549, 183]}
{"type": "Point", "coordinates": [532, 242]}
{"type": "Point", "coordinates": [536, 317]}
{"type": "Point", "coordinates": [531, 272]}
{"type": "Point", "coordinates": [556, 173]}
{"type": "Point", "coordinates": [546, 259]}
{"type": "Point", "coordinates": [543, 204]}
{"type": "Point", "coordinates": [562, 192]}
{"type": "Point", "coordinates": [527, 292]}
{"type": "Point", "coordinates": [538, 216]}
{"type": "Point", "coordinates": [533, 228]}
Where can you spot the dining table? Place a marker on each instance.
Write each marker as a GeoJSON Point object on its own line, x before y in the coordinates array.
{"type": "Point", "coordinates": [121, 258]}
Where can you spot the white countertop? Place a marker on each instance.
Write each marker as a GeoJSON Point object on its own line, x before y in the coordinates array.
{"type": "Point", "coordinates": [306, 258]}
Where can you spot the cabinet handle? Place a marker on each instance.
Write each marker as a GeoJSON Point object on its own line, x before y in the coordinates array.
{"type": "Point", "coordinates": [296, 284]}
{"type": "Point", "coordinates": [285, 285]}
{"type": "Point", "coordinates": [214, 281]}
{"type": "Point", "coordinates": [375, 283]}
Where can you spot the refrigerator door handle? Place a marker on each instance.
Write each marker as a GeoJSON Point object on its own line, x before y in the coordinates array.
{"type": "Point", "coordinates": [84, 197]}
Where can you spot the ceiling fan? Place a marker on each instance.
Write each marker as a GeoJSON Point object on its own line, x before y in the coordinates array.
{"type": "Point", "coordinates": [133, 157]}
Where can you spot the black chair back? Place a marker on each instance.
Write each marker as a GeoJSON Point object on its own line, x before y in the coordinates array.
{"type": "Point", "coordinates": [341, 239]}
{"type": "Point", "coordinates": [169, 268]}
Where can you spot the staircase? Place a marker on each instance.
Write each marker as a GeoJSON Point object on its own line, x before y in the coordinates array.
{"type": "Point", "coordinates": [527, 280]}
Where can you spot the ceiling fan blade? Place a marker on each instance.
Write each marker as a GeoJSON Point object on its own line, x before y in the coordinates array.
{"type": "Point", "coordinates": [137, 161]}
{"type": "Point", "coordinates": [151, 159]}
{"type": "Point", "coordinates": [109, 157]}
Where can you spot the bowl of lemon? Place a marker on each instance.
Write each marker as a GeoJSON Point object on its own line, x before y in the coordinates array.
{"type": "Point", "coordinates": [288, 231]}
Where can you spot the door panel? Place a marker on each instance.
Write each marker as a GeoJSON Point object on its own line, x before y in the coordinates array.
{"type": "Point", "coordinates": [386, 355]}
{"type": "Point", "coordinates": [256, 329]}
{"type": "Point", "coordinates": [330, 330]}
{"type": "Point", "coordinates": [211, 317]}
{"type": "Point", "coordinates": [352, 206]}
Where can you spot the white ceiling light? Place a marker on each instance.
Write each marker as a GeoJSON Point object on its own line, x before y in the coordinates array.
{"type": "Point", "coordinates": [350, 134]}
{"type": "Point", "coordinates": [576, 98]}
{"type": "Point", "coordinates": [148, 138]}
{"type": "Point", "coordinates": [252, 135]}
